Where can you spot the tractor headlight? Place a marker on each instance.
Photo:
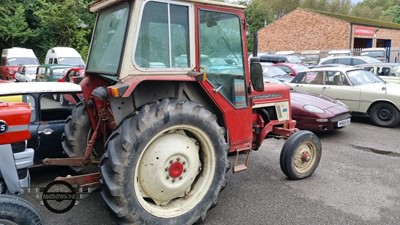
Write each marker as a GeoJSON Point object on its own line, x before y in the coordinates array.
{"type": "Point", "coordinates": [314, 109]}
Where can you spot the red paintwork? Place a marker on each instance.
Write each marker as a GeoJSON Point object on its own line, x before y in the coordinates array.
{"type": "Point", "coordinates": [72, 79]}
{"type": "Point", "coordinates": [15, 114]}
{"type": "Point", "coordinates": [239, 123]}
{"type": "Point", "coordinates": [4, 72]}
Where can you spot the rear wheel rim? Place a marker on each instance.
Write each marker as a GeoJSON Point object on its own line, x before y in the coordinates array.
{"type": "Point", "coordinates": [175, 169]}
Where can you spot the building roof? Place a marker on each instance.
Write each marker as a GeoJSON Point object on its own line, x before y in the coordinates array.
{"type": "Point", "coordinates": [359, 20]}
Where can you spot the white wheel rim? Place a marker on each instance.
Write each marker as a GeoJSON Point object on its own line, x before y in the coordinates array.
{"type": "Point", "coordinates": [189, 187]}
{"type": "Point", "coordinates": [304, 157]}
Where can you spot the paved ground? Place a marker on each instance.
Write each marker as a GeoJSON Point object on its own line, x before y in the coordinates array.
{"type": "Point", "coordinates": [357, 182]}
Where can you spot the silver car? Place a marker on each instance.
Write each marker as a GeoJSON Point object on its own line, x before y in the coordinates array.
{"type": "Point", "coordinates": [26, 73]}
{"type": "Point", "coordinates": [362, 91]}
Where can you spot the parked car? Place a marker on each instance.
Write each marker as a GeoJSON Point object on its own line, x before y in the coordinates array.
{"type": "Point", "coordinates": [73, 75]}
{"type": "Point", "coordinates": [48, 118]}
{"type": "Point", "coordinates": [276, 73]}
{"type": "Point", "coordinates": [348, 60]}
{"type": "Point", "coordinates": [26, 73]}
{"type": "Point", "coordinates": [51, 72]}
{"type": "Point", "coordinates": [273, 58]}
{"type": "Point", "coordinates": [339, 53]}
{"type": "Point", "coordinates": [291, 69]}
{"type": "Point", "coordinates": [377, 53]}
{"type": "Point", "coordinates": [362, 91]}
{"type": "Point", "coordinates": [389, 72]}
{"type": "Point", "coordinates": [317, 113]}
{"type": "Point", "coordinates": [11, 58]}
{"type": "Point", "coordinates": [310, 58]}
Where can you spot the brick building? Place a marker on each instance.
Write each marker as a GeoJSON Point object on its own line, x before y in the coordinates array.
{"type": "Point", "coordinates": [304, 29]}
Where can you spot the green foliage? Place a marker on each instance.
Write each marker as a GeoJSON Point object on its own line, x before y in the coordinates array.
{"type": "Point", "coordinates": [394, 13]}
{"type": "Point", "coordinates": [43, 24]}
{"type": "Point", "coordinates": [13, 26]}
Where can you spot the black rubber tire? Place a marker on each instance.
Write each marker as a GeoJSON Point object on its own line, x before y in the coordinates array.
{"type": "Point", "coordinates": [384, 115]}
{"type": "Point", "coordinates": [62, 100]}
{"type": "Point", "coordinates": [14, 209]}
{"type": "Point", "coordinates": [76, 131]}
{"type": "Point", "coordinates": [126, 145]}
{"type": "Point", "coordinates": [289, 152]}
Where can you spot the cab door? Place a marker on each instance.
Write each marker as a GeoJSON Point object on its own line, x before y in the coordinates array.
{"type": "Point", "coordinates": [219, 36]}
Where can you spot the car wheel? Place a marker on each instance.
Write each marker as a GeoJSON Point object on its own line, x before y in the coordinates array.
{"type": "Point", "coordinates": [384, 114]}
{"type": "Point", "coordinates": [16, 210]}
{"type": "Point", "coordinates": [300, 155]}
{"type": "Point", "coordinates": [55, 97]}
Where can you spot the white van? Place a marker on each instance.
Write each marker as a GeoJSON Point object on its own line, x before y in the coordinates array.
{"type": "Point", "coordinates": [64, 55]}
{"type": "Point", "coordinates": [12, 58]}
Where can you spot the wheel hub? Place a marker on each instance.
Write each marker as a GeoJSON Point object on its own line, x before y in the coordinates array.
{"type": "Point", "coordinates": [303, 158]}
{"type": "Point", "coordinates": [175, 170]}
{"type": "Point", "coordinates": [169, 167]}
{"type": "Point", "coordinates": [385, 114]}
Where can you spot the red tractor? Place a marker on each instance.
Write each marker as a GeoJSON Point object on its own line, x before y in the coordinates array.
{"type": "Point", "coordinates": [168, 93]}
{"type": "Point", "coordinates": [15, 160]}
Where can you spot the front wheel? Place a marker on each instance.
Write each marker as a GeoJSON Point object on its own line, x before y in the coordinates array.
{"type": "Point", "coordinates": [15, 210]}
{"type": "Point", "coordinates": [384, 115]}
{"type": "Point", "coordinates": [300, 155]}
{"type": "Point", "coordinates": [165, 165]}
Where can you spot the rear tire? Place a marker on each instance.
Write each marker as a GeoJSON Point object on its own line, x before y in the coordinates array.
{"type": "Point", "coordinates": [384, 115]}
{"type": "Point", "coordinates": [77, 133]}
{"type": "Point", "coordinates": [300, 155]}
{"type": "Point", "coordinates": [16, 210]}
{"type": "Point", "coordinates": [165, 165]}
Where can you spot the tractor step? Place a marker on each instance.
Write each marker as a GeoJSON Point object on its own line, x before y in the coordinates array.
{"type": "Point", "coordinates": [240, 167]}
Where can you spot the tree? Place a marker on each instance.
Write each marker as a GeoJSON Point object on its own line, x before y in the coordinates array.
{"type": "Point", "coordinates": [258, 14]}
{"type": "Point", "coordinates": [394, 13]}
{"type": "Point", "coordinates": [13, 25]}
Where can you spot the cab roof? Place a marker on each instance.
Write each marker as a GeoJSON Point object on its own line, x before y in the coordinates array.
{"type": "Point", "coordinates": [101, 4]}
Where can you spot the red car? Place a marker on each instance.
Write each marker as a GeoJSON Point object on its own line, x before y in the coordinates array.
{"type": "Point", "coordinates": [291, 68]}
{"type": "Point", "coordinates": [317, 113]}
{"type": "Point", "coordinates": [73, 75]}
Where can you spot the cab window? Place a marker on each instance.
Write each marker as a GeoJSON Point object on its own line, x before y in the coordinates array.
{"type": "Point", "coordinates": [220, 38]}
{"type": "Point", "coordinates": [163, 40]}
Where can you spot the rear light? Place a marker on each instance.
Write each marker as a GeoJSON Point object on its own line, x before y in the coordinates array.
{"type": "Point", "coordinates": [11, 72]}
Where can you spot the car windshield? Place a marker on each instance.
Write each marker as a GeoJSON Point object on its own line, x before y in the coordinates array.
{"type": "Point", "coordinates": [21, 61]}
{"type": "Point", "coordinates": [273, 71]}
{"type": "Point", "coordinates": [108, 39]}
{"type": "Point", "coordinates": [374, 53]}
{"type": "Point", "coordinates": [361, 77]}
{"type": "Point", "coordinates": [60, 72]}
{"type": "Point", "coordinates": [71, 61]}
{"type": "Point", "coordinates": [299, 68]}
{"type": "Point", "coordinates": [30, 70]}
{"type": "Point", "coordinates": [293, 59]}
{"type": "Point", "coordinates": [371, 60]}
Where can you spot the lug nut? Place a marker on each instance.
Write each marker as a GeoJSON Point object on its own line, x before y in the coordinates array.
{"type": "Point", "coordinates": [167, 177]}
{"type": "Point", "coordinates": [180, 178]}
{"type": "Point", "coordinates": [173, 180]}
{"type": "Point", "coordinates": [170, 161]}
{"type": "Point", "coordinates": [184, 170]}
{"type": "Point", "coordinates": [184, 162]}
{"type": "Point", "coordinates": [166, 168]}
{"type": "Point", "coordinates": [178, 159]}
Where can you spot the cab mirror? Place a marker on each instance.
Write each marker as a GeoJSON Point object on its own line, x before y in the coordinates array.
{"type": "Point", "coordinates": [256, 74]}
